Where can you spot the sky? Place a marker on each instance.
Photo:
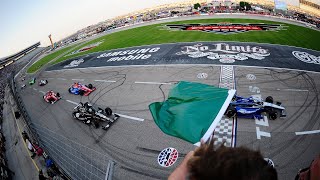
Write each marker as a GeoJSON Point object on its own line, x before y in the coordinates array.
{"type": "Point", "coordinates": [24, 23]}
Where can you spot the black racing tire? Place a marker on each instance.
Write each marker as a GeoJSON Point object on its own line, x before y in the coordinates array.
{"type": "Point", "coordinates": [108, 111]}
{"type": "Point", "coordinates": [58, 94]}
{"type": "Point", "coordinates": [269, 99]}
{"type": "Point", "coordinates": [90, 86]}
{"type": "Point", "coordinates": [273, 115]}
{"type": "Point", "coordinates": [231, 113]}
{"type": "Point", "coordinates": [96, 124]}
{"type": "Point", "coordinates": [81, 92]}
{"type": "Point", "coordinates": [74, 115]}
{"type": "Point", "coordinates": [46, 81]}
{"type": "Point", "coordinates": [69, 90]}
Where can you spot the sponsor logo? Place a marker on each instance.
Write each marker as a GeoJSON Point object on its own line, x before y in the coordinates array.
{"type": "Point", "coordinates": [74, 63]}
{"type": "Point", "coordinates": [126, 55]}
{"type": "Point", "coordinates": [306, 57]}
{"type": "Point", "coordinates": [225, 53]}
{"type": "Point", "coordinates": [202, 75]}
{"type": "Point", "coordinates": [168, 157]}
{"type": "Point", "coordinates": [86, 48]}
{"type": "Point", "coordinates": [225, 28]}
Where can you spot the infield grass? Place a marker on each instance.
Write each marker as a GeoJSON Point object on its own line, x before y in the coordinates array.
{"type": "Point", "coordinates": [155, 34]}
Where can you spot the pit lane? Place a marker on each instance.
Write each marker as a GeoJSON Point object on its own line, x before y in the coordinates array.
{"type": "Point", "coordinates": [135, 144]}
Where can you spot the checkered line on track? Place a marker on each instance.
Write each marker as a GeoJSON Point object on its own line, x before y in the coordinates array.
{"type": "Point", "coordinates": [225, 130]}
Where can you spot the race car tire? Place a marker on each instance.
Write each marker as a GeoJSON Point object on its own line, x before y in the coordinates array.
{"type": "Point", "coordinates": [74, 115]}
{"type": "Point", "coordinates": [81, 92]}
{"type": "Point", "coordinates": [69, 90]}
{"type": "Point", "coordinates": [273, 115]}
{"type": "Point", "coordinates": [269, 99]}
{"type": "Point", "coordinates": [96, 124]}
{"type": "Point", "coordinates": [108, 111]}
{"type": "Point", "coordinates": [231, 113]}
{"type": "Point", "coordinates": [90, 86]}
{"type": "Point", "coordinates": [58, 94]}
{"type": "Point", "coordinates": [46, 81]}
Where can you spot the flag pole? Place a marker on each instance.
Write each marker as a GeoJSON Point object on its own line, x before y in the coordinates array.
{"type": "Point", "coordinates": [217, 119]}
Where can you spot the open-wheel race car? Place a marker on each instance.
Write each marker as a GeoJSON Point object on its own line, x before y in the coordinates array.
{"type": "Point", "coordinates": [255, 107]}
{"type": "Point", "coordinates": [86, 113]}
{"type": "Point", "coordinates": [51, 97]}
{"type": "Point", "coordinates": [80, 89]}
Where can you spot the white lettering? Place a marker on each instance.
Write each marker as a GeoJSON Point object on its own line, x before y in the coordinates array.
{"type": "Point", "coordinates": [142, 51]}
{"type": "Point", "coordinates": [154, 49]}
{"type": "Point", "coordinates": [262, 133]}
{"type": "Point", "coordinates": [146, 56]}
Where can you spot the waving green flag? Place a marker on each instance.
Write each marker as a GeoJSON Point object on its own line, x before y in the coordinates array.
{"type": "Point", "coordinates": [192, 110]}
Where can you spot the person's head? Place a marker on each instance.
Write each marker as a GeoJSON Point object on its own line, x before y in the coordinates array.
{"type": "Point", "coordinates": [228, 163]}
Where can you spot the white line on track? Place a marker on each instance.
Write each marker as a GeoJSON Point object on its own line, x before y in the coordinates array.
{"type": "Point", "coordinates": [130, 117]}
{"type": "Point", "coordinates": [157, 83]}
{"type": "Point", "coordinates": [77, 79]}
{"type": "Point", "coordinates": [297, 90]}
{"type": "Point", "coordinates": [307, 132]}
{"type": "Point", "coordinates": [42, 92]}
{"type": "Point", "coordinates": [121, 115]}
{"type": "Point", "coordinates": [35, 89]}
{"type": "Point", "coordinates": [62, 79]}
{"type": "Point", "coordinates": [104, 81]}
{"type": "Point", "coordinates": [72, 102]}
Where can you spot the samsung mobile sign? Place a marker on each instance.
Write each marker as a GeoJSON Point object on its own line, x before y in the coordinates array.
{"type": "Point", "coordinates": [126, 55]}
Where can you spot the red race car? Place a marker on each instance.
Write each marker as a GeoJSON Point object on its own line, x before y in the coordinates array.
{"type": "Point", "coordinates": [51, 97]}
{"type": "Point", "coordinates": [78, 88]}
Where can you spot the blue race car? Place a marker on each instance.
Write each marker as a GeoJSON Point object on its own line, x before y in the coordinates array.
{"type": "Point", "coordinates": [80, 89]}
{"type": "Point", "coordinates": [254, 107]}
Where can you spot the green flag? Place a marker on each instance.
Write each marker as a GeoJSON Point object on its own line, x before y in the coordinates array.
{"type": "Point", "coordinates": [192, 110]}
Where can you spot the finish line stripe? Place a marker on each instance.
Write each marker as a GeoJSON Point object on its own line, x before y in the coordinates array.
{"type": "Point", "coordinates": [307, 132]}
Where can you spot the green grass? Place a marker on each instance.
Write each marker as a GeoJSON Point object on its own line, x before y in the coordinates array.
{"type": "Point", "coordinates": [36, 66]}
{"type": "Point", "coordinates": [155, 34]}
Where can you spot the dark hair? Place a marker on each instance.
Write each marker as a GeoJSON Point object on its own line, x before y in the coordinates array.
{"type": "Point", "coordinates": [226, 163]}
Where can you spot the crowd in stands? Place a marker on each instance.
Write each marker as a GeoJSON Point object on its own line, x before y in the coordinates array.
{"type": "Point", "coordinates": [5, 172]}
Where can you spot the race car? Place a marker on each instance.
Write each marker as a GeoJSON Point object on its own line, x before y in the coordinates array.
{"type": "Point", "coordinates": [255, 107]}
{"type": "Point", "coordinates": [89, 115]}
{"type": "Point", "coordinates": [43, 82]}
{"type": "Point", "coordinates": [51, 97]}
{"type": "Point", "coordinates": [32, 81]}
{"type": "Point", "coordinates": [80, 89]}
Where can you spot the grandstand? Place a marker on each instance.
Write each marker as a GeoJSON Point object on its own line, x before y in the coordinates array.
{"type": "Point", "coordinates": [10, 59]}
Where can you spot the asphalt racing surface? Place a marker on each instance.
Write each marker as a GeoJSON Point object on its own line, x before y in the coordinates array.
{"type": "Point", "coordinates": [135, 142]}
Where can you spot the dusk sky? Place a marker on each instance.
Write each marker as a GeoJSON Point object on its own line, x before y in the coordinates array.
{"type": "Point", "coordinates": [24, 23]}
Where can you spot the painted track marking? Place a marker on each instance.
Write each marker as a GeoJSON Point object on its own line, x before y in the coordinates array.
{"type": "Point", "coordinates": [121, 115]}
{"type": "Point", "coordinates": [298, 90]}
{"type": "Point", "coordinates": [307, 132]}
{"type": "Point", "coordinates": [130, 117]}
{"type": "Point", "coordinates": [104, 81]}
{"type": "Point", "coordinates": [157, 83]}
{"type": "Point", "coordinates": [77, 79]}
{"type": "Point", "coordinates": [72, 102]}
{"type": "Point", "coordinates": [42, 92]}
{"type": "Point", "coordinates": [62, 79]}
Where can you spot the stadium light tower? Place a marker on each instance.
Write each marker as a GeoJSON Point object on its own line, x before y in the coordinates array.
{"type": "Point", "coordinates": [51, 40]}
